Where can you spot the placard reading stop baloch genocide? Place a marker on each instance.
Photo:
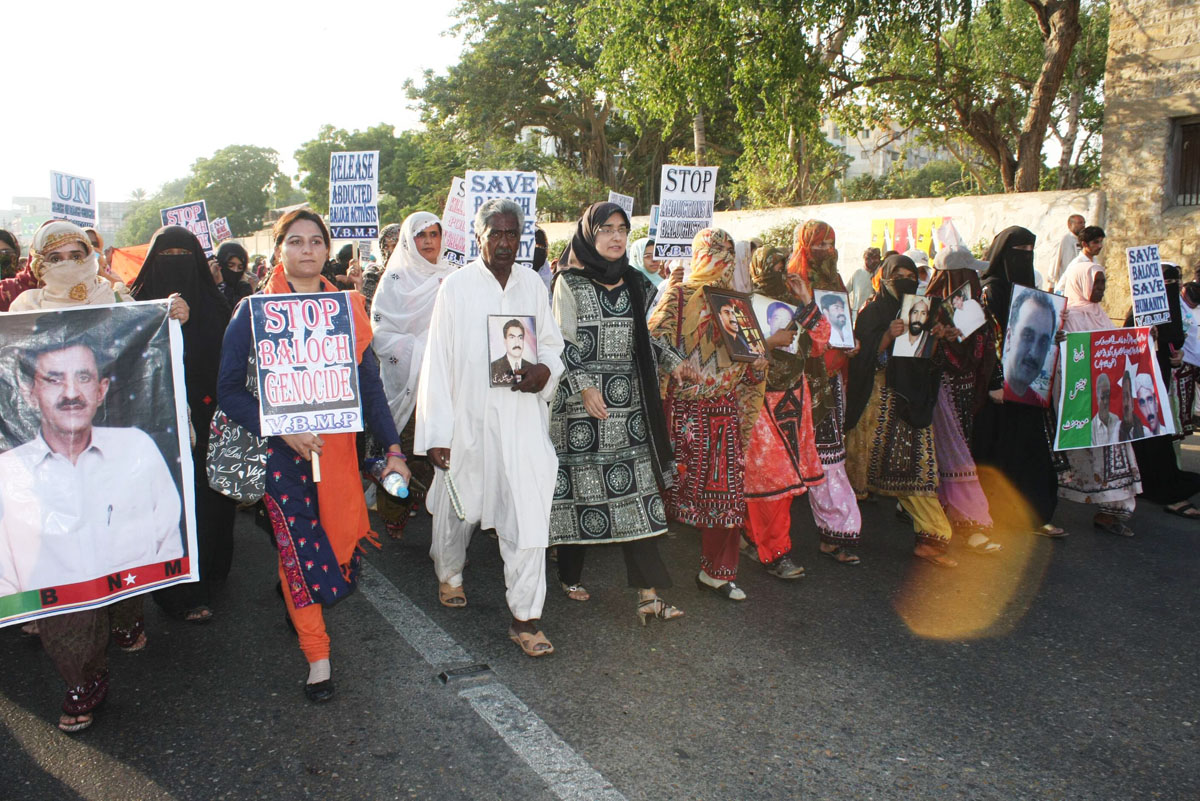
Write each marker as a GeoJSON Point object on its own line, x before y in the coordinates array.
{"type": "Point", "coordinates": [685, 209]}
{"type": "Point", "coordinates": [307, 365]}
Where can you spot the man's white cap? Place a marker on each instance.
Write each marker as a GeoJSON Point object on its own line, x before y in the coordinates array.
{"type": "Point", "coordinates": [957, 258]}
{"type": "Point", "coordinates": [919, 257]}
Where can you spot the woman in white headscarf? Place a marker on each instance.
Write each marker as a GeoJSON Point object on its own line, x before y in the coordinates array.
{"type": "Point", "coordinates": [66, 280]}
{"type": "Point", "coordinates": [400, 316]}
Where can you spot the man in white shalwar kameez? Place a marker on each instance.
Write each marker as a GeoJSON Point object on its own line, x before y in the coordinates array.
{"type": "Point", "coordinates": [504, 466]}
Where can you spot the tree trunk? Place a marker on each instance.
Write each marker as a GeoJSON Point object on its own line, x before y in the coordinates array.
{"type": "Point", "coordinates": [1059, 21]}
{"type": "Point", "coordinates": [700, 137]}
{"type": "Point", "coordinates": [1065, 167]}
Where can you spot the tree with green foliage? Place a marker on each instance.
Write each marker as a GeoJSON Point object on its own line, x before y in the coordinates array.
{"type": "Point", "coordinates": [146, 217]}
{"type": "Point", "coordinates": [237, 183]}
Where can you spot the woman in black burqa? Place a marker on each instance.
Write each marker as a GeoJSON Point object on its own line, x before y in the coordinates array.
{"type": "Point", "coordinates": [175, 262]}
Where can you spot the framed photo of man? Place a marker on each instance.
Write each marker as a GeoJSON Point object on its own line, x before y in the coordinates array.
{"type": "Point", "coordinates": [734, 316]}
{"type": "Point", "coordinates": [918, 313]}
{"type": "Point", "coordinates": [1028, 356]}
{"type": "Point", "coordinates": [512, 346]}
{"type": "Point", "coordinates": [774, 315]}
{"type": "Point", "coordinates": [96, 475]}
{"type": "Point", "coordinates": [836, 308]}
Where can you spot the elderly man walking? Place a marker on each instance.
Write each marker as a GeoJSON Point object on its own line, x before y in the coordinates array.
{"type": "Point", "coordinates": [496, 466]}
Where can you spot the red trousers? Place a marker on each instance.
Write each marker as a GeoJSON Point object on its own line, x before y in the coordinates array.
{"type": "Point", "coordinates": [719, 552]}
{"type": "Point", "coordinates": [768, 526]}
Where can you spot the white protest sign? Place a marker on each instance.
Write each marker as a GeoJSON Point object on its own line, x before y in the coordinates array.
{"type": "Point", "coordinates": [220, 229]}
{"type": "Point", "coordinates": [354, 195]}
{"type": "Point", "coordinates": [455, 227]}
{"type": "Point", "coordinates": [73, 199]}
{"type": "Point", "coordinates": [685, 209]}
{"type": "Point", "coordinates": [1146, 286]}
{"type": "Point", "coordinates": [515, 185]}
{"type": "Point", "coordinates": [624, 201]}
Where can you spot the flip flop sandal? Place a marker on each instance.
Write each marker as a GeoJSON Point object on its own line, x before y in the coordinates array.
{"type": "Point", "coordinates": [937, 559]}
{"type": "Point", "coordinates": [453, 597]}
{"type": "Point", "coordinates": [1052, 532]}
{"type": "Point", "coordinates": [986, 546]}
{"type": "Point", "coordinates": [576, 592]}
{"type": "Point", "coordinates": [81, 722]}
{"type": "Point", "coordinates": [199, 615]}
{"type": "Point", "coordinates": [1182, 511]}
{"type": "Point", "coordinates": [842, 556]}
{"type": "Point", "coordinates": [1116, 527]}
{"type": "Point", "coordinates": [534, 645]}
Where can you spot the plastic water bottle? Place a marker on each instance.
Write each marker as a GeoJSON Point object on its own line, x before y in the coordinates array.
{"type": "Point", "coordinates": [393, 483]}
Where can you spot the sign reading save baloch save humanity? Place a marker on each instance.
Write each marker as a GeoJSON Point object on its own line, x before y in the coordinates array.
{"type": "Point", "coordinates": [1112, 390]}
{"type": "Point", "coordinates": [519, 187]}
{"type": "Point", "coordinates": [1146, 286]}
{"type": "Point", "coordinates": [354, 195]}
{"type": "Point", "coordinates": [307, 364]}
{"type": "Point", "coordinates": [685, 209]}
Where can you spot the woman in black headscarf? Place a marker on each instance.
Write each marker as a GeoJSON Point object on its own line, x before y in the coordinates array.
{"type": "Point", "coordinates": [175, 262]}
{"type": "Point", "coordinates": [1162, 480]}
{"type": "Point", "coordinates": [889, 411]}
{"type": "Point", "coordinates": [1011, 440]}
{"type": "Point", "coordinates": [235, 278]}
{"type": "Point", "coordinates": [608, 426]}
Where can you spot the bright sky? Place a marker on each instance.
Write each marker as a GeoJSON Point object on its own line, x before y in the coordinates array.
{"type": "Point", "coordinates": [177, 81]}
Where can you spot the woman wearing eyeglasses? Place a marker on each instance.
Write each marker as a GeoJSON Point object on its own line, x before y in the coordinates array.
{"type": "Point", "coordinates": [608, 425]}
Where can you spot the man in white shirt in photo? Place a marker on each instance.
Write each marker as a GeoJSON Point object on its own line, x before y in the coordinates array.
{"type": "Point", "coordinates": [1065, 252]}
{"type": "Point", "coordinates": [80, 501]}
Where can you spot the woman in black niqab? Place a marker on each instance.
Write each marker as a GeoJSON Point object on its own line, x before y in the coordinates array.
{"type": "Point", "coordinates": [175, 262]}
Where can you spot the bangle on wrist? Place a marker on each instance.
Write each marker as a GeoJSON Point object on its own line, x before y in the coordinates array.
{"type": "Point", "coordinates": [398, 454]}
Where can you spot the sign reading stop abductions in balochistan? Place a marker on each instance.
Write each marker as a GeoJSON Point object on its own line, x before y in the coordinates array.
{"type": "Point", "coordinates": [307, 363]}
{"type": "Point", "coordinates": [685, 209]}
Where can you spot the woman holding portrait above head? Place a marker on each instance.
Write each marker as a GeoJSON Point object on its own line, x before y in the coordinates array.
{"type": "Point", "coordinates": [607, 424]}
{"type": "Point", "coordinates": [400, 318]}
{"type": "Point", "coordinates": [889, 409]}
{"type": "Point", "coordinates": [175, 264]}
{"type": "Point", "coordinates": [1011, 441]}
{"type": "Point", "coordinates": [781, 460]}
{"type": "Point", "coordinates": [712, 404]}
{"type": "Point", "coordinates": [834, 506]}
{"type": "Point", "coordinates": [966, 366]}
{"type": "Point", "coordinates": [1105, 475]}
{"type": "Point", "coordinates": [316, 529]}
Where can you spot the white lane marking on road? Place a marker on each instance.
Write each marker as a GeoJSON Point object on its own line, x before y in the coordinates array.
{"type": "Point", "coordinates": [90, 772]}
{"type": "Point", "coordinates": [569, 776]}
{"type": "Point", "coordinates": [566, 773]}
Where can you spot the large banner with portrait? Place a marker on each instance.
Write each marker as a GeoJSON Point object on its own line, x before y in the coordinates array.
{"type": "Point", "coordinates": [1027, 359]}
{"type": "Point", "coordinates": [96, 481]}
{"type": "Point", "coordinates": [1112, 390]}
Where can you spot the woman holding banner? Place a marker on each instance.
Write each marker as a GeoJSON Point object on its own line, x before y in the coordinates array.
{"type": "Point", "coordinates": [1107, 475]}
{"type": "Point", "coordinates": [175, 263]}
{"type": "Point", "coordinates": [710, 418]}
{"type": "Point", "coordinates": [1010, 440]}
{"type": "Point", "coordinates": [316, 531]}
{"type": "Point", "coordinates": [400, 319]}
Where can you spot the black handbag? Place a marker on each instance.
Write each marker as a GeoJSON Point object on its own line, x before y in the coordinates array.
{"type": "Point", "coordinates": [236, 462]}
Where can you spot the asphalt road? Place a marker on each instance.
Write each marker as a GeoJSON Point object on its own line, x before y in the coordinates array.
{"type": "Point", "coordinates": [1056, 670]}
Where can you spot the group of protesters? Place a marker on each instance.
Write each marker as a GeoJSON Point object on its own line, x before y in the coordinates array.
{"type": "Point", "coordinates": [633, 415]}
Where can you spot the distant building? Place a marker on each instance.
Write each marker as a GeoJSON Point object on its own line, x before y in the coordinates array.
{"type": "Point", "coordinates": [28, 213]}
{"type": "Point", "coordinates": [876, 152]}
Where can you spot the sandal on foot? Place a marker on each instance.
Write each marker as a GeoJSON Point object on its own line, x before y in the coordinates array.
{"type": "Point", "coordinates": [395, 530]}
{"type": "Point", "coordinates": [576, 592]}
{"type": "Point", "coordinates": [726, 589]}
{"type": "Point", "coordinates": [980, 543]}
{"type": "Point", "coordinates": [657, 607]}
{"type": "Point", "coordinates": [749, 550]}
{"type": "Point", "coordinates": [1051, 531]}
{"type": "Point", "coordinates": [534, 644]}
{"type": "Point", "coordinates": [843, 555]}
{"type": "Point", "coordinates": [1186, 511]}
{"type": "Point", "coordinates": [198, 615]}
{"type": "Point", "coordinates": [453, 597]}
{"type": "Point", "coordinates": [137, 645]}
{"type": "Point", "coordinates": [73, 723]}
{"type": "Point", "coordinates": [1113, 526]}
{"type": "Point", "coordinates": [785, 568]}
{"type": "Point", "coordinates": [937, 559]}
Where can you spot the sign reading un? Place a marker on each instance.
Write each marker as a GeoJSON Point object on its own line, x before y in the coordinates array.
{"type": "Point", "coordinates": [73, 199]}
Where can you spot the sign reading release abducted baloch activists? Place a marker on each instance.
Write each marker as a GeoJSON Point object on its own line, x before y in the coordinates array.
{"type": "Point", "coordinates": [1146, 286]}
{"type": "Point", "coordinates": [307, 363]}
{"type": "Point", "coordinates": [1112, 389]}
{"type": "Point", "coordinates": [354, 195]}
{"type": "Point", "coordinates": [519, 187]}
{"type": "Point", "coordinates": [685, 209]}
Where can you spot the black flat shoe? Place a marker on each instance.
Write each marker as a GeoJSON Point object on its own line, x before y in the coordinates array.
{"type": "Point", "coordinates": [319, 692]}
{"type": "Point", "coordinates": [727, 590]}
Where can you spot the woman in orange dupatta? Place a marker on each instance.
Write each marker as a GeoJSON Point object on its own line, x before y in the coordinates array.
{"type": "Point", "coordinates": [316, 529]}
